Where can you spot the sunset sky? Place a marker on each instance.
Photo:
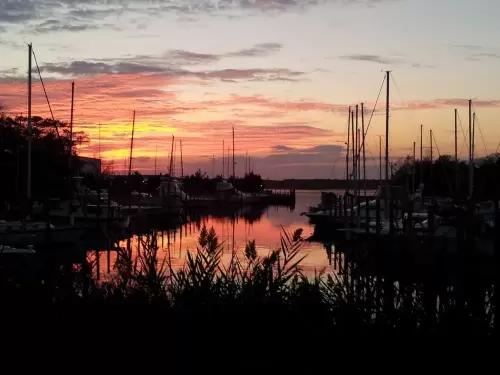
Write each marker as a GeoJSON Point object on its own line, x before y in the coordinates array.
{"type": "Point", "coordinates": [283, 73]}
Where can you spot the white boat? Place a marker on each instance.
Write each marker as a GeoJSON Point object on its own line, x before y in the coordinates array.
{"type": "Point", "coordinates": [226, 192]}
{"type": "Point", "coordinates": [171, 187]}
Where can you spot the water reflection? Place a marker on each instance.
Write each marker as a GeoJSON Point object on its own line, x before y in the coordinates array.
{"type": "Point", "coordinates": [234, 229]}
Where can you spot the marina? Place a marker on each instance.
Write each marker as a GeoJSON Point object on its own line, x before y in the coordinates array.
{"type": "Point", "coordinates": [196, 170]}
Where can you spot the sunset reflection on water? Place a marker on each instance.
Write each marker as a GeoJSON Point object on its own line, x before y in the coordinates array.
{"type": "Point", "coordinates": [263, 226]}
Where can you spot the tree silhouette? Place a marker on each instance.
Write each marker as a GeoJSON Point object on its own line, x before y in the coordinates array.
{"type": "Point", "coordinates": [50, 171]}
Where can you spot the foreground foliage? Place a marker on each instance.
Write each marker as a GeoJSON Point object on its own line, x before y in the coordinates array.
{"type": "Point", "coordinates": [219, 300]}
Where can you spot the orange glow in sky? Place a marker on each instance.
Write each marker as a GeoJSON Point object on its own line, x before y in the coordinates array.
{"type": "Point", "coordinates": [285, 89]}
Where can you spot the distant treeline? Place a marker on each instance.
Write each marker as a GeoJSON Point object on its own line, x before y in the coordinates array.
{"type": "Point", "coordinates": [196, 184]}
{"type": "Point", "coordinates": [319, 184]}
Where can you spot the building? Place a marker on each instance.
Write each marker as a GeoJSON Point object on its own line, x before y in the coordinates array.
{"type": "Point", "coordinates": [90, 166]}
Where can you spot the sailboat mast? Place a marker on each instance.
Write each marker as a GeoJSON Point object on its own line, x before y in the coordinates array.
{"type": "Point", "coordinates": [357, 152]}
{"type": "Point", "coordinates": [413, 171]}
{"type": "Point", "coordinates": [386, 208]}
{"type": "Point", "coordinates": [456, 153]}
{"type": "Point", "coordinates": [421, 153]}
{"type": "Point", "coordinates": [356, 145]}
{"type": "Point", "coordinates": [227, 161]}
{"type": "Point", "coordinates": [432, 162]}
{"type": "Point", "coordinates": [131, 146]}
{"type": "Point", "coordinates": [99, 141]}
{"type": "Point", "coordinates": [174, 157]}
{"type": "Point", "coordinates": [473, 135]}
{"type": "Point", "coordinates": [30, 130]}
{"type": "Point", "coordinates": [347, 151]}
{"type": "Point", "coordinates": [380, 160]}
{"type": "Point", "coordinates": [70, 157]}
{"type": "Point", "coordinates": [471, 141]}
{"type": "Point", "coordinates": [182, 162]}
{"type": "Point", "coordinates": [364, 149]}
{"type": "Point", "coordinates": [156, 158]}
{"type": "Point", "coordinates": [387, 128]}
{"type": "Point", "coordinates": [246, 162]}
{"type": "Point", "coordinates": [171, 157]}
{"type": "Point", "coordinates": [234, 163]}
{"type": "Point", "coordinates": [223, 163]}
{"type": "Point", "coordinates": [353, 146]}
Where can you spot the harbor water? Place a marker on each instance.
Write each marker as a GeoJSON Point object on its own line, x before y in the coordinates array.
{"type": "Point", "coordinates": [234, 230]}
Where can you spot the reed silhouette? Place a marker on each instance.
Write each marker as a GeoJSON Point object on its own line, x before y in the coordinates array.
{"type": "Point", "coordinates": [218, 298]}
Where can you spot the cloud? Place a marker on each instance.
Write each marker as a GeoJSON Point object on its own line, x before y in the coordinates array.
{"type": "Point", "coordinates": [174, 63]}
{"type": "Point", "coordinates": [319, 161]}
{"type": "Point", "coordinates": [251, 74]}
{"type": "Point", "coordinates": [110, 98]}
{"type": "Point", "coordinates": [70, 24]}
{"type": "Point", "coordinates": [469, 47]}
{"type": "Point", "coordinates": [190, 58]}
{"type": "Point", "coordinates": [19, 11]}
{"type": "Point", "coordinates": [477, 52]}
{"type": "Point", "coordinates": [144, 65]}
{"type": "Point", "coordinates": [300, 162]}
{"type": "Point", "coordinates": [383, 60]}
{"type": "Point", "coordinates": [483, 56]}
{"type": "Point", "coordinates": [371, 58]}
{"type": "Point", "coordinates": [260, 141]}
{"type": "Point", "coordinates": [444, 103]}
{"type": "Point", "coordinates": [282, 148]}
{"type": "Point", "coordinates": [263, 49]}
{"type": "Point", "coordinates": [261, 101]}
{"type": "Point", "coordinates": [95, 67]}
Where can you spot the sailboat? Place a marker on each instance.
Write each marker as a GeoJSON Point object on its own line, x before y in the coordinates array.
{"type": "Point", "coordinates": [385, 191]}
{"type": "Point", "coordinates": [31, 232]}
